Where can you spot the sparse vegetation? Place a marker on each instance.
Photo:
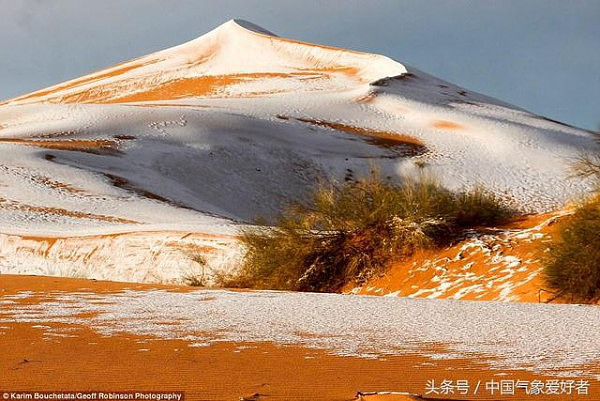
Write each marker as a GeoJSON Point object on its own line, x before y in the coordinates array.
{"type": "Point", "coordinates": [195, 279]}
{"type": "Point", "coordinates": [573, 264]}
{"type": "Point", "coordinates": [572, 267]}
{"type": "Point", "coordinates": [349, 232]}
{"type": "Point", "coordinates": [588, 166]}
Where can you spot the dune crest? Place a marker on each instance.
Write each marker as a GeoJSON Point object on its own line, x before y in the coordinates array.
{"type": "Point", "coordinates": [235, 51]}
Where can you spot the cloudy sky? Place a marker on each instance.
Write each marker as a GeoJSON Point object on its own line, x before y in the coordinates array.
{"type": "Point", "coordinates": [543, 55]}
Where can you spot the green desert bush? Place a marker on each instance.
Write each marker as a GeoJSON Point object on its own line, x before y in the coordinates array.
{"type": "Point", "coordinates": [573, 265]}
{"type": "Point", "coordinates": [349, 232]}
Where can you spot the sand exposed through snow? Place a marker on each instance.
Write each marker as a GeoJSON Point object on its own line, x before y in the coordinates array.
{"type": "Point", "coordinates": [50, 346]}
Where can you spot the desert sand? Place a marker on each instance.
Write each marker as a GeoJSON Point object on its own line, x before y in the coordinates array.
{"type": "Point", "coordinates": [76, 356]}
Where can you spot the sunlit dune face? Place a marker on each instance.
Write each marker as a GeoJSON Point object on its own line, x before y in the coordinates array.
{"type": "Point", "coordinates": [445, 124]}
{"type": "Point", "coordinates": [177, 89]}
{"type": "Point", "coordinates": [111, 72]}
{"type": "Point", "coordinates": [97, 146]}
{"type": "Point", "coordinates": [200, 86]}
{"type": "Point", "coordinates": [207, 65]}
{"type": "Point", "coordinates": [135, 90]}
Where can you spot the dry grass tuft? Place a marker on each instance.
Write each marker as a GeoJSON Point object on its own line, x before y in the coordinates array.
{"type": "Point", "coordinates": [573, 265]}
{"type": "Point", "coordinates": [349, 232]}
{"type": "Point", "coordinates": [194, 278]}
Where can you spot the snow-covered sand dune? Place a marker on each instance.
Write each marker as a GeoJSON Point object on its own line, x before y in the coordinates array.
{"type": "Point", "coordinates": [239, 122]}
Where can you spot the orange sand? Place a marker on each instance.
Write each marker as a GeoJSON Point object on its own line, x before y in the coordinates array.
{"type": "Point", "coordinates": [223, 371]}
{"type": "Point", "coordinates": [14, 205]}
{"type": "Point", "coordinates": [408, 277]}
{"type": "Point", "coordinates": [444, 124]}
{"type": "Point", "coordinates": [96, 146]}
{"type": "Point", "coordinates": [93, 77]}
{"type": "Point", "coordinates": [382, 138]}
{"type": "Point", "coordinates": [195, 86]}
{"type": "Point", "coordinates": [58, 185]}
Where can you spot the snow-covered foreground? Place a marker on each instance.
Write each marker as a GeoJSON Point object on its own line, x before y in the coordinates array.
{"type": "Point", "coordinates": [236, 124]}
{"type": "Point", "coordinates": [560, 339]}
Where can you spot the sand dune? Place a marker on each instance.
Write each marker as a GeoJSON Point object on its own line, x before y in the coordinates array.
{"type": "Point", "coordinates": [148, 171]}
{"type": "Point", "coordinates": [205, 137]}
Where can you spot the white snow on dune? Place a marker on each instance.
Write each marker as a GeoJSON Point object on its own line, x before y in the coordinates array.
{"type": "Point", "coordinates": [148, 257]}
{"type": "Point", "coordinates": [553, 338]}
{"type": "Point", "coordinates": [239, 122]}
{"type": "Point", "coordinates": [236, 50]}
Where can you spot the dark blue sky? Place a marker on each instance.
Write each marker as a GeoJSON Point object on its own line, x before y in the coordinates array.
{"type": "Point", "coordinates": [543, 55]}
